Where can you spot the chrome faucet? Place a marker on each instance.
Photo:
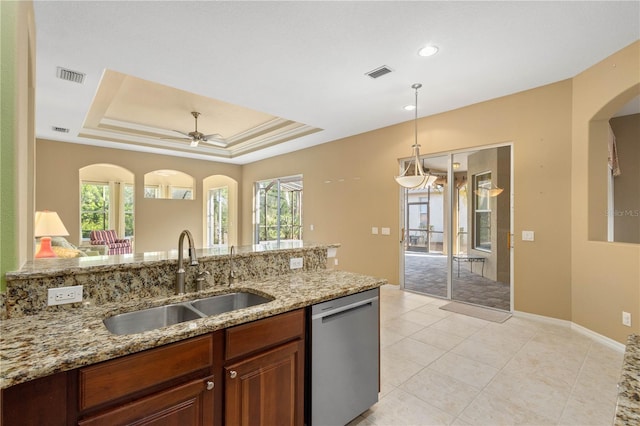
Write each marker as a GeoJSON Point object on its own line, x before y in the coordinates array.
{"type": "Point", "coordinates": [193, 260]}
{"type": "Point", "coordinates": [232, 271]}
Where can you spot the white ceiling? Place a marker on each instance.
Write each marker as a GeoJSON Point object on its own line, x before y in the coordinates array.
{"type": "Point", "coordinates": [306, 61]}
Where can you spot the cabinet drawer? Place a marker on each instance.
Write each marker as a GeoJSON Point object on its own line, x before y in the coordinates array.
{"type": "Point", "coordinates": [262, 334]}
{"type": "Point", "coordinates": [187, 404]}
{"type": "Point", "coordinates": [115, 379]}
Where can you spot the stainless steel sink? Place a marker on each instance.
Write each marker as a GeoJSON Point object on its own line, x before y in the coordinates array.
{"type": "Point", "coordinates": [228, 302]}
{"type": "Point", "coordinates": [150, 319]}
{"type": "Point", "coordinates": [162, 316]}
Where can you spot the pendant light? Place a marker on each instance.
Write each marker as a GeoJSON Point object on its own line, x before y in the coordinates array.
{"type": "Point", "coordinates": [419, 179]}
{"type": "Point", "coordinates": [492, 191]}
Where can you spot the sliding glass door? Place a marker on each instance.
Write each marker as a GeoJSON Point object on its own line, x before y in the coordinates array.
{"type": "Point", "coordinates": [457, 231]}
{"type": "Point", "coordinates": [426, 234]}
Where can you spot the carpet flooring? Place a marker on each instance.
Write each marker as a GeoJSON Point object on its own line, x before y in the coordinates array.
{"type": "Point", "coordinates": [427, 273]}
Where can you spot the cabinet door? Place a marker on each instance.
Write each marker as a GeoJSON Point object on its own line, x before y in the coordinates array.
{"type": "Point", "coordinates": [266, 389]}
{"type": "Point", "coordinates": [40, 402]}
{"type": "Point", "coordinates": [188, 404]}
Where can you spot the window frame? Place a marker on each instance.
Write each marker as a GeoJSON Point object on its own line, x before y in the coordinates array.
{"type": "Point", "coordinates": [214, 195]}
{"type": "Point", "coordinates": [482, 211]}
{"type": "Point", "coordinates": [187, 191]}
{"type": "Point", "coordinates": [105, 211]}
{"type": "Point", "coordinates": [289, 227]}
{"type": "Point", "coordinates": [129, 212]}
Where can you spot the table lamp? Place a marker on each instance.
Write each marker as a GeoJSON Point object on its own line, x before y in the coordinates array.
{"type": "Point", "coordinates": [48, 224]}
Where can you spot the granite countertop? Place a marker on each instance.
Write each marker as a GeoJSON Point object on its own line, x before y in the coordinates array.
{"type": "Point", "coordinates": [50, 267]}
{"type": "Point", "coordinates": [39, 345]}
{"type": "Point", "coordinates": [628, 406]}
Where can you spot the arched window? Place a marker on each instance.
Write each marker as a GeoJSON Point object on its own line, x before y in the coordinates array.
{"type": "Point", "coordinates": [106, 200]}
{"type": "Point", "coordinates": [220, 210]}
{"type": "Point", "coordinates": [168, 184]}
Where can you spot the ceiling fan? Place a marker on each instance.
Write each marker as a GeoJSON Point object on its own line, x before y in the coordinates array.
{"type": "Point", "coordinates": [196, 137]}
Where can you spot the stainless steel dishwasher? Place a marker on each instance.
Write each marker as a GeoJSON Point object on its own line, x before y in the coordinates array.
{"type": "Point", "coordinates": [344, 360]}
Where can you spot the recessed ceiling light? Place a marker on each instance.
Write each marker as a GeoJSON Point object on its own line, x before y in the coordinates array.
{"type": "Point", "coordinates": [409, 107]}
{"type": "Point", "coordinates": [428, 50]}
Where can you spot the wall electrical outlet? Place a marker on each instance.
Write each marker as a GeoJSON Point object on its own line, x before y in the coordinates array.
{"type": "Point", "coordinates": [296, 262]}
{"type": "Point", "coordinates": [62, 295]}
{"type": "Point", "coordinates": [626, 318]}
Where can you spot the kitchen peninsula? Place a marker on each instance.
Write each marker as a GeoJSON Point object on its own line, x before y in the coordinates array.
{"type": "Point", "coordinates": [39, 341]}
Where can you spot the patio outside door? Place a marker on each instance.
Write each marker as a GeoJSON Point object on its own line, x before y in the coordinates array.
{"type": "Point", "coordinates": [457, 236]}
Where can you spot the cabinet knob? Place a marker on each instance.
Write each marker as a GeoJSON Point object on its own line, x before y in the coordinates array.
{"type": "Point", "coordinates": [210, 385]}
{"type": "Point", "coordinates": [233, 374]}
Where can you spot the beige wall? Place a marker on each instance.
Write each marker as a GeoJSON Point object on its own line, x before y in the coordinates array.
{"type": "Point", "coordinates": [626, 213]}
{"type": "Point", "coordinates": [349, 188]}
{"type": "Point", "coordinates": [362, 192]}
{"type": "Point", "coordinates": [158, 223]}
{"type": "Point", "coordinates": [605, 276]}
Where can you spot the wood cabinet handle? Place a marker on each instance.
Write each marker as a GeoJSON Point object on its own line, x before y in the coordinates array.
{"type": "Point", "coordinates": [233, 374]}
{"type": "Point", "coordinates": [210, 385]}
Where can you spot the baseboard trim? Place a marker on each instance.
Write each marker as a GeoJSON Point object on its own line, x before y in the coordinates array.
{"type": "Point", "coordinates": [613, 344]}
{"type": "Point", "coordinates": [542, 318]}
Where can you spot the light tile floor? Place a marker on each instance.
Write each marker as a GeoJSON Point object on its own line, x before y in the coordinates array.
{"type": "Point", "coordinates": [443, 368]}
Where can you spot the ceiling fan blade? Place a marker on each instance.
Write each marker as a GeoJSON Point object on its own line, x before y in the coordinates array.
{"type": "Point", "coordinates": [195, 137]}
{"type": "Point", "coordinates": [176, 139]}
{"type": "Point", "coordinates": [217, 142]}
{"type": "Point", "coordinates": [182, 133]}
{"type": "Point", "coordinates": [213, 136]}
{"type": "Point", "coordinates": [215, 139]}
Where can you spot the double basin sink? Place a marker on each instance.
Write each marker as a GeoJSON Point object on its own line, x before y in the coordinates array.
{"type": "Point", "coordinates": [162, 316]}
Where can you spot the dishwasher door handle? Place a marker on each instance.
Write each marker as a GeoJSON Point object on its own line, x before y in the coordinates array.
{"type": "Point", "coordinates": [350, 307]}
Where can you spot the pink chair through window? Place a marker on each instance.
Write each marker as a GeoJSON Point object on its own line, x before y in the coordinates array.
{"type": "Point", "coordinates": [110, 239]}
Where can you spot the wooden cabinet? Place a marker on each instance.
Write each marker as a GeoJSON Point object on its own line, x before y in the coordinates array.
{"type": "Point", "coordinates": [179, 384]}
{"type": "Point", "coordinates": [172, 384]}
{"type": "Point", "coordinates": [266, 389]}
{"type": "Point", "coordinates": [264, 372]}
{"type": "Point", "coordinates": [188, 404]}
{"type": "Point", "coordinates": [126, 378]}
{"type": "Point", "coordinates": [40, 402]}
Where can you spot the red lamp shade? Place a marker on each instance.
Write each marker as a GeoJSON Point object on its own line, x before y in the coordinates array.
{"type": "Point", "coordinates": [47, 225]}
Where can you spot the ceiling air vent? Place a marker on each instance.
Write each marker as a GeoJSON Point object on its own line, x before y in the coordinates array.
{"type": "Point", "coordinates": [59, 129]}
{"type": "Point", "coordinates": [379, 72]}
{"type": "Point", "coordinates": [75, 76]}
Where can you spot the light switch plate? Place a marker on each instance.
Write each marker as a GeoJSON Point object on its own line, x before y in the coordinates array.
{"type": "Point", "coordinates": [296, 262]}
{"type": "Point", "coordinates": [386, 231]}
{"type": "Point", "coordinates": [528, 236]}
{"type": "Point", "coordinates": [374, 230]}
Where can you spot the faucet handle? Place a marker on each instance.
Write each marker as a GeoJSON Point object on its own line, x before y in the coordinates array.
{"type": "Point", "coordinates": [201, 278]}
